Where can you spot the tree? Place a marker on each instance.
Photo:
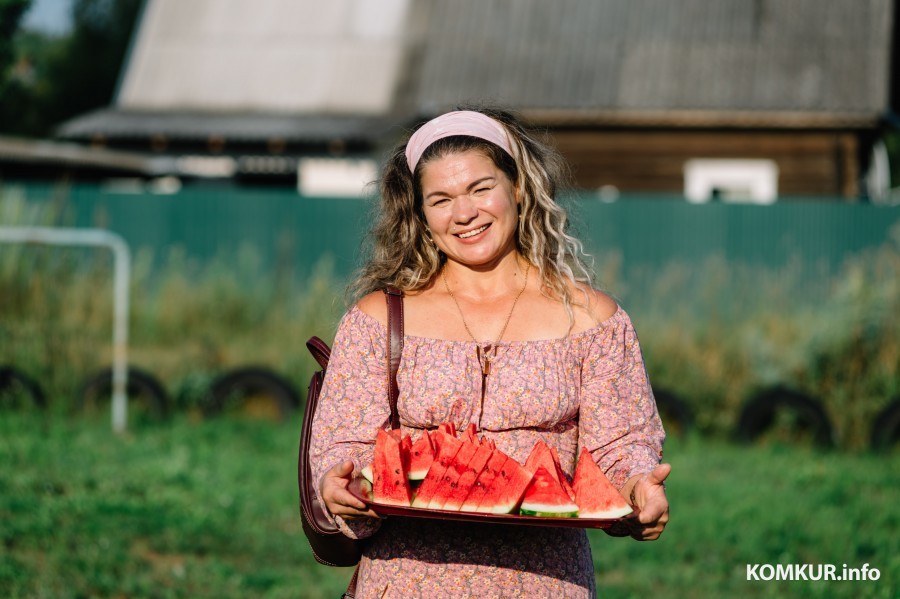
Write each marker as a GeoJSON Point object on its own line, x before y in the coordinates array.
{"type": "Point", "coordinates": [11, 12]}
{"type": "Point", "coordinates": [72, 74]}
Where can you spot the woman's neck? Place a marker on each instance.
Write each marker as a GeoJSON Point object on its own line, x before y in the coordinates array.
{"type": "Point", "coordinates": [486, 284]}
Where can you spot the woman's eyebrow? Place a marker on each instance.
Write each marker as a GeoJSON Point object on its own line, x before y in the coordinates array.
{"type": "Point", "coordinates": [470, 187]}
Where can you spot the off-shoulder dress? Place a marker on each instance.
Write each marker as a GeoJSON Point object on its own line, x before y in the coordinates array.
{"type": "Point", "coordinates": [588, 389]}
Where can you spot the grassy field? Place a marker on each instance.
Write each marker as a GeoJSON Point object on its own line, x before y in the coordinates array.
{"type": "Point", "coordinates": [208, 509]}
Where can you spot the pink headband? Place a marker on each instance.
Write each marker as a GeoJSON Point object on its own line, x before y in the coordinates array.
{"type": "Point", "coordinates": [461, 122]}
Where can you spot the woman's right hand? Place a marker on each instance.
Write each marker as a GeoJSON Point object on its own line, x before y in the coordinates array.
{"type": "Point", "coordinates": [338, 500]}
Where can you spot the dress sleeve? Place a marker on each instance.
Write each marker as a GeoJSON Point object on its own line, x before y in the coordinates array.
{"type": "Point", "coordinates": [353, 405]}
{"type": "Point", "coordinates": [618, 420]}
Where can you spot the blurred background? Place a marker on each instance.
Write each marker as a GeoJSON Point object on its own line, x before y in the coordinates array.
{"type": "Point", "coordinates": [735, 176]}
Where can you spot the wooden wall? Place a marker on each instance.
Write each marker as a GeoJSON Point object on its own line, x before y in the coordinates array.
{"type": "Point", "coordinates": [809, 162]}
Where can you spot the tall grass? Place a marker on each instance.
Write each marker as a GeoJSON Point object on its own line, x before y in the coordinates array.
{"type": "Point", "coordinates": [718, 332]}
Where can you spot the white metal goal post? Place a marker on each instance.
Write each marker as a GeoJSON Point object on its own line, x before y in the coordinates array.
{"type": "Point", "coordinates": [121, 277]}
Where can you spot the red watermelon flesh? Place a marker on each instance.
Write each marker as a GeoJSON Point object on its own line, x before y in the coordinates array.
{"type": "Point", "coordinates": [390, 485]}
{"type": "Point", "coordinates": [471, 433]}
{"type": "Point", "coordinates": [405, 447]}
{"type": "Point", "coordinates": [449, 480]}
{"type": "Point", "coordinates": [447, 450]}
{"type": "Point", "coordinates": [421, 454]}
{"type": "Point", "coordinates": [561, 475]}
{"type": "Point", "coordinates": [466, 482]}
{"type": "Point", "coordinates": [507, 488]}
{"type": "Point", "coordinates": [448, 428]}
{"type": "Point", "coordinates": [541, 456]}
{"type": "Point", "coordinates": [595, 495]}
{"type": "Point", "coordinates": [546, 497]}
{"type": "Point", "coordinates": [483, 482]}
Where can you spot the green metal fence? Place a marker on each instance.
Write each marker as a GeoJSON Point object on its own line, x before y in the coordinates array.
{"type": "Point", "coordinates": [643, 233]}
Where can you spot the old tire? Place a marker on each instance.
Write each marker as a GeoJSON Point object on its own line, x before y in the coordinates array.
{"type": "Point", "coordinates": [18, 390]}
{"type": "Point", "coordinates": [147, 397]}
{"type": "Point", "coordinates": [785, 415]}
{"type": "Point", "coordinates": [886, 428]}
{"type": "Point", "coordinates": [252, 391]}
{"type": "Point", "coordinates": [676, 415]}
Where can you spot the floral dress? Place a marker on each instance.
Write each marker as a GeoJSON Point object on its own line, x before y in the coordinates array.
{"type": "Point", "coordinates": [589, 389]}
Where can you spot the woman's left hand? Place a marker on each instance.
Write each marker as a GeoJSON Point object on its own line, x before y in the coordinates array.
{"type": "Point", "coordinates": [648, 494]}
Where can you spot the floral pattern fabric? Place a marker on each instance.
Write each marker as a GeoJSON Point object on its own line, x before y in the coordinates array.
{"type": "Point", "coordinates": [588, 390]}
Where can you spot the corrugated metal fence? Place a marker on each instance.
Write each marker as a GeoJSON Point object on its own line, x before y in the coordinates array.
{"type": "Point", "coordinates": [643, 233]}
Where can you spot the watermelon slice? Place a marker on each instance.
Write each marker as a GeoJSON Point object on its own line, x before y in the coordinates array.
{"type": "Point", "coordinates": [466, 482]}
{"type": "Point", "coordinates": [367, 473]}
{"type": "Point", "coordinates": [483, 482]}
{"type": "Point", "coordinates": [421, 454]}
{"type": "Point", "coordinates": [545, 497]}
{"type": "Point", "coordinates": [561, 475]}
{"type": "Point", "coordinates": [471, 433]}
{"type": "Point", "coordinates": [405, 447]}
{"type": "Point", "coordinates": [450, 479]}
{"type": "Point", "coordinates": [448, 428]}
{"type": "Point", "coordinates": [507, 488]}
{"type": "Point", "coordinates": [546, 456]}
{"type": "Point", "coordinates": [595, 495]}
{"type": "Point", "coordinates": [447, 450]}
{"type": "Point", "coordinates": [542, 456]}
{"type": "Point", "coordinates": [390, 485]}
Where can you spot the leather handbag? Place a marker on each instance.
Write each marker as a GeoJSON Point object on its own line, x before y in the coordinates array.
{"type": "Point", "coordinates": [329, 545]}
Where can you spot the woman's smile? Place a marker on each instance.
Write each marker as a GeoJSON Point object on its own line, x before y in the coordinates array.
{"type": "Point", "coordinates": [473, 232]}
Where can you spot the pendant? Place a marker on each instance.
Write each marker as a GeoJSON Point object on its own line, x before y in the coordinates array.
{"type": "Point", "coordinates": [485, 356]}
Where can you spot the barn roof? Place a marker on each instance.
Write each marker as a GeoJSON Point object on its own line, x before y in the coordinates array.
{"type": "Point", "coordinates": [646, 61]}
{"type": "Point", "coordinates": [295, 70]}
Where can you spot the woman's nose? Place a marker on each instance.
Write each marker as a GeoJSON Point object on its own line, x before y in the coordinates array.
{"type": "Point", "coordinates": [464, 209]}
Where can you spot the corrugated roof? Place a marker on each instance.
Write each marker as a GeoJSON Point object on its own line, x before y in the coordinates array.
{"type": "Point", "coordinates": [118, 123]}
{"type": "Point", "coordinates": [642, 63]}
{"type": "Point", "coordinates": [601, 57]}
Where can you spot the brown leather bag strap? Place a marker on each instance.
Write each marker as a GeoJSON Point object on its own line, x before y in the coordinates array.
{"type": "Point", "coordinates": [394, 299]}
{"type": "Point", "coordinates": [350, 593]}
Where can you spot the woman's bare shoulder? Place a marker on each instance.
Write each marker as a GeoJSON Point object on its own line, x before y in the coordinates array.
{"type": "Point", "coordinates": [598, 306]}
{"type": "Point", "coordinates": [374, 305]}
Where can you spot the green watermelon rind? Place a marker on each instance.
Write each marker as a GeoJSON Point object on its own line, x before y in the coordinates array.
{"type": "Point", "coordinates": [607, 514]}
{"type": "Point", "coordinates": [541, 514]}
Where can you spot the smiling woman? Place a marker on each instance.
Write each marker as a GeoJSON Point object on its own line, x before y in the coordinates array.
{"type": "Point", "coordinates": [503, 332]}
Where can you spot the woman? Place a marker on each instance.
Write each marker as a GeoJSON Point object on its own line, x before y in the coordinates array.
{"type": "Point", "coordinates": [502, 329]}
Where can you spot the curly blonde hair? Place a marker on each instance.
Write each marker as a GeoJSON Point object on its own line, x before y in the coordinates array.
{"type": "Point", "coordinates": [402, 254]}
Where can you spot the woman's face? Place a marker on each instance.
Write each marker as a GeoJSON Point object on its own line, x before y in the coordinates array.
{"type": "Point", "coordinates": [471, 208]}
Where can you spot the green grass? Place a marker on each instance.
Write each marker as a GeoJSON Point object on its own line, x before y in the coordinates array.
{"type": "Point", "coordinates": [208, 509]}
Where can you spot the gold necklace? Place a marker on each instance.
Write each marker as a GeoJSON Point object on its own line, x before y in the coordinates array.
{"type": "Point", "coordinates": [486, 352]}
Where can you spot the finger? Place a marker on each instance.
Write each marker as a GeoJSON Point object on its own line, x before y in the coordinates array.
{"type": "Point", "coordinates": [648, 533]}
{"type": "Point", "coordinates": [349, 513]}
{"type": "Point", "coordinates": [345, 504]}
{"type": "Point", "coordinates": [346, 498]}
{"type": "Point", "coordinates": [342, 470]}
{"type": "Point", "coordinates": [653, 511]}
{"type": "Point", "coordinates": [659, 474]}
